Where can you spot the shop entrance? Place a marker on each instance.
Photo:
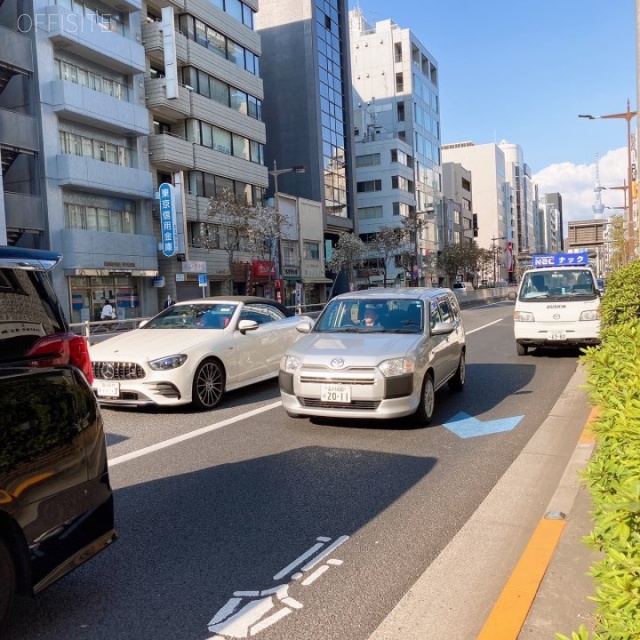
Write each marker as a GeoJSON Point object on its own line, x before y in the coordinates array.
{"type": "Point", "coordinates": [88, 295]}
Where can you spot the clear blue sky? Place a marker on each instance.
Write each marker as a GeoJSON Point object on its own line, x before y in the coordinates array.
{"type": "Point", "coordinates": [523, 71]}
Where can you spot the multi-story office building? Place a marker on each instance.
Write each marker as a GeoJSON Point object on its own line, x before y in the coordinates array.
{"type": "Point", "coordinates": [460, 223]}
{"type": "Point", "coordinates": [397, 135]}
{"type": "Point", "coordinates": [549, 224]}
{"type": "Point", "coordinates": [207, 133]}
{"type": "Point", "coordinates": [307, 105]}
{"type": "Point", "coordinates": [22, 210]}
{"type": "Point", "coordinates": [493, 199]}
{"type": "Point", "coordinates": [90, 65]}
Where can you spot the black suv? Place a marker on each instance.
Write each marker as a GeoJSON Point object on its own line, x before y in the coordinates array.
{"type": "Point", "coordinates": [56, 503]}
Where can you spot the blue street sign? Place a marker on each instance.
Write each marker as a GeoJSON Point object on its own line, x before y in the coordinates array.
{"type": "Point", "coordinates": [168, 219]}
{"type": "Point", "coordinates": [560, 260]}
{"type": "Point", "coordinates": [202, 279]}
{"type": "Point", "coordinates": [466, 426]}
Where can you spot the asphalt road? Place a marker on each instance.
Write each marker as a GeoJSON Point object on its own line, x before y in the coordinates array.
{"type": "Point", "coordinates": [322, 525]}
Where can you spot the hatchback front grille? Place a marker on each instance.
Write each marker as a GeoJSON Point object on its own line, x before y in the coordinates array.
{"type": "Point", "coordinates": [117, 371]}
{"type": "Point", "coordinates": [354, 405]}
{"type": "Point", "coordinates": [336, 380]}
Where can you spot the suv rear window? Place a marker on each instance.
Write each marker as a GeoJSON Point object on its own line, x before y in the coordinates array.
{"type": "Point", "coordinates": [26, 314]}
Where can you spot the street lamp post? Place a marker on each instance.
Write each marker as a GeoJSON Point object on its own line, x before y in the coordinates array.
{"type": "Point", "coordinates": [495, 257]}
{"type": "Point", "coordinates": [275, 172]}
{"type": "Point", "coordinates": [627, 115]}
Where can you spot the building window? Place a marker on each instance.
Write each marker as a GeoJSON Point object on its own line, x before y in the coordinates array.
{"type": "Point", "coordinates": [400, 111]}
{"type": "Point", "coordinates": [217, 42]}
{"type": "Point", "coordinates": [369, 185]}
{"type": "Point", "coordinates": [368, 160]}
{"type": "Point", "coordinates": [366, 213]}
{"type": "Point", "coordinates": [399, 83]}
{"type": "Point", "coordinates": [90, 218]}
{"type": "Point", "coordinates": [400, 209]}
{"type": "Point", "coordinates": [74, 144]}
{"type": "Point", "coordinates": [311, 250]}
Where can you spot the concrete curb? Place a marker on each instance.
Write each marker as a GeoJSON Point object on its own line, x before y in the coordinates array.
{"type": "Point", "coordinates": [455, 595]}
{"type": "Point", "coordinates": [510, 611]}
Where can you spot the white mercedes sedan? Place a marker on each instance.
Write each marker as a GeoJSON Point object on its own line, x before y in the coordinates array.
{"type": "Point", "coordinates": [193, 352]}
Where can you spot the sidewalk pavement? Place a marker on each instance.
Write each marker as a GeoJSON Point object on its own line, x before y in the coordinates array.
{"type": "Point", "coordinates": [489, 585]}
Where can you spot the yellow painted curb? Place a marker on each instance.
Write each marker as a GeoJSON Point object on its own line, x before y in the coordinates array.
{"type": "Point", "coordinates": [511, 609]}
{"type": "Point", "coordinates": [587, 436]}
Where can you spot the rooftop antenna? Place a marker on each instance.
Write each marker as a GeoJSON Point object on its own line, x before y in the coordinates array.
{"type": "Point", "coordinates": [598, 207]}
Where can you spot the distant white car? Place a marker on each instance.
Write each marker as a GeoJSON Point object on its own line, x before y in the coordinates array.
{"type": "Point", "coordinates": [380, 353]}
{"type": "Point", "coordinates": [194, 351]}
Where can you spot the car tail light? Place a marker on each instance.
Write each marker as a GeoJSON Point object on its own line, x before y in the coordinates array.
{"type": "Point", "coordinates": [63, 349]}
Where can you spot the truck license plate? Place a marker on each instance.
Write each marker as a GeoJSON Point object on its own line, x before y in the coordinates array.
{"type": "Point", "coordinates": [335, 393]}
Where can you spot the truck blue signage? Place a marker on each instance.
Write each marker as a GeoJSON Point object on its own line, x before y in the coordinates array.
{"type": "Point", "coordinates": [168, 219]}
{"type": "Point", "coordinates": [561, 260]}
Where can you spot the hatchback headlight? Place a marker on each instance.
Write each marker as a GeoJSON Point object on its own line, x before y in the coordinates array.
{"type": "Point", "coordinates": [290, 363]}
{"type": "Point", "coordinates": [396, 367]}
{"type": "Point", "coordinates": [523, 316]}
{"type": "Point", "coordinates": [594, 314]}
{"type": "Point", "coordinates": [168, 362]}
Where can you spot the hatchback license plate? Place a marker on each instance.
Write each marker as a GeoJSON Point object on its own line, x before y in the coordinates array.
{"type": "Point", "coordinates": [558, 335]}
{"type": "Point", "coordinates": [107, 389]}
{"type": "Point", "coordinates": [335, 393]}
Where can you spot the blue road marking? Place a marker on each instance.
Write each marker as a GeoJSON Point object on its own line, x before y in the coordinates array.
{"type": "Point", "coordinates": [466, 426]}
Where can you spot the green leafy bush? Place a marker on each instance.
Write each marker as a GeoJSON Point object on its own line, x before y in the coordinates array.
{"type": "Point", "coordinates": [613, 473]}
{"type": "Point", "coordinates": [621, 301]}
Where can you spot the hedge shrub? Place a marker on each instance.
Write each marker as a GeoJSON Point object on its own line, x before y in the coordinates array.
{"type": "Point", "coordinates": [613, 473]}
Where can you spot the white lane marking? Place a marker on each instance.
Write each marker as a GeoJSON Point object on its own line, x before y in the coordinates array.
{"type": "Point", "coordinates": [297, 561]}
{"type": "Point", "coordinates": [483, 326]}
{"type": "Point", "coordinates": [330, 549]}
{"type": "Point", "coordinates": [192, 434]}
{"type": "Point", "coordinates": [267, 606]}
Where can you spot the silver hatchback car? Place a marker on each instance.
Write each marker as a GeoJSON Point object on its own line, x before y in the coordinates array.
{"type": "Point", "coordinates": [380, 353]}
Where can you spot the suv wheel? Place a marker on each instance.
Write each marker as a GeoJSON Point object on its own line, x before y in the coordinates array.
{"type": "Point", "coordinates": [457, 382]}
{"type": "Point", "coordinates": [424, 413]}
{"type": "Point", "coordinates": [521, 349]}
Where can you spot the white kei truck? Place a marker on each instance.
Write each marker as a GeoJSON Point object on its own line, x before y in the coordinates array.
{"type": "Point", "coordinates": [557, 303]}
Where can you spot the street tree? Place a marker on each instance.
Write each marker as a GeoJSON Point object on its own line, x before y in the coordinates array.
{"type": "Point", "coordinates": [234, 218]}
{"type": "Point", "coordinates": [459, 259]}
{"type": "Point", "coordinates": [348, 254]}
{"type": "Point", "coordinates": [265, 232]}
{"type": "Point", "coordinates": [389, 242]}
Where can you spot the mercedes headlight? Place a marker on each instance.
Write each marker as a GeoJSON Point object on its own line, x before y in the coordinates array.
{"type": "Point", "coordinates": [290, 363]}
{"type": "Point", "coordinates": [168, 362]}
{"type": "Point", "coordinates": [396, 367]}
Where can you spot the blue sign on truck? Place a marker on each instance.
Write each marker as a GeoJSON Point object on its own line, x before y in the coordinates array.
{"type": "Point", "coordinates": [561, 260]}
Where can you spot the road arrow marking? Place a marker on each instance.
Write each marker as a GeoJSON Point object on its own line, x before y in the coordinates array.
{"type": "Point", "coordinates": [466, 426]}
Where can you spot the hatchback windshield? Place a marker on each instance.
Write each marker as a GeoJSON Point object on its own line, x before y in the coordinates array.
{"type": "Point", "coordinates": [558, 284]}
{"type": "Point", "coordinates": [193, 316]}
{"type": "Point", "coordinates": [389, 315]}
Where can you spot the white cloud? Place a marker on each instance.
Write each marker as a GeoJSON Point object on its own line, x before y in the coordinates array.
{"type": "Point", "coordinates": [576, 182]}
